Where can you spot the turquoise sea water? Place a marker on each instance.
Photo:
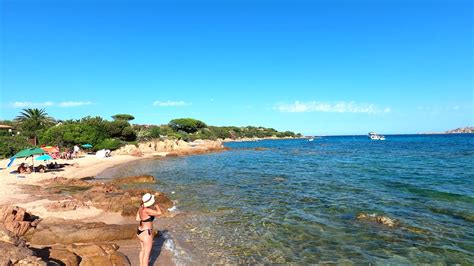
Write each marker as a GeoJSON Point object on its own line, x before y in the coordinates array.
{"type": "Point", "coordinates": [297, 201]}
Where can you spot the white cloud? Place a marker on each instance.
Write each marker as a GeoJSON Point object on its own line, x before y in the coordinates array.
{"type": "Point", "coordinates": [48, 104]}
{"type": "Point", "coordinates": [73, 104]}
{"type": "Point", "coordinates": [170, 103]}
{"type": "Point", "coordinates": [31, 104]}
{"type": "Point", "coordinates": [339, 107]}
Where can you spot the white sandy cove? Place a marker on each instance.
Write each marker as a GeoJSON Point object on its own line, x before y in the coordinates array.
{"type": "Point", "coordinates": [86, 166]}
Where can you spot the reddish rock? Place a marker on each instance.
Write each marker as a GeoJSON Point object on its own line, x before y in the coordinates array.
{"type": "Point", "coordinates": [63, 255]}
{"type": "Point", "coordinates": [68, 232]}
{"type": "Point", "coordinates": [59, 180]}
{"type": "Point", "coordinates": [66, 205]}
{"type": "Point", "coordinates": [11, 254]}
{"type": "Point", "coordinates": [99, 254]}
{"type": "Point", "coordinates": [16, 219]}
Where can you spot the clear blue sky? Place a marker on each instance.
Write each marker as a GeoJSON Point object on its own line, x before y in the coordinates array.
{"type": "Point", "coordinates": [316, 67]}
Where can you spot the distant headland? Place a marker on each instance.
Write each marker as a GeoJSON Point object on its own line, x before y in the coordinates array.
{"type": "Point", "coordinates": [460, 130]}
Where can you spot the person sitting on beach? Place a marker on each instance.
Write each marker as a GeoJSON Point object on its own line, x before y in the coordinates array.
{"type": "Point", "coordinates": [146, 215]}
{"type": "Point", "coordinates": [23, 169]}
{"type": "Point", "coordinates": [40, 168]}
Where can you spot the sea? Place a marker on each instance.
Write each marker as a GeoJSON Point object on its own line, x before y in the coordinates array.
{"type": "Point", "coordinates": [300, 201]}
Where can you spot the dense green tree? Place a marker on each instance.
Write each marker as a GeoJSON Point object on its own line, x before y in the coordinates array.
{"type": "Point", "coordinates": [98, 123]}
{"type": "Point", "coordinates": [188, 125]}
{"type": "Point", "coordinates": [70, 134]}
{"type": "Point", "coordinates": [125, 117]}
{"type": "Point", "coordinates": [32, 121]}
{"type": "Point", "coordinates": [115, 128]}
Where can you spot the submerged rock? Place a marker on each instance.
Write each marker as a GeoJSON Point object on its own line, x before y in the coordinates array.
{"type": "Point", "coordinates": [147, 179]}
{"type": "Point", "coordinates": [384, 220]}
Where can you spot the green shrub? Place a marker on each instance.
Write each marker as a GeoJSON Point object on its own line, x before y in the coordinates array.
{"type": "Point", "coordinates": [166, 130]}
{"type": "Point", "coordinates": [10, 145]}
{"type": "Point", "coordinates": [175, 136]}
{"type": "Point", "coordinates": [128, 134]}
{"type": "Point", "coordinates": [108, 144]}
{"type": "Point", "coordinates": [155, 132]}
{"type": "Point", "coordinates": [203, 134]}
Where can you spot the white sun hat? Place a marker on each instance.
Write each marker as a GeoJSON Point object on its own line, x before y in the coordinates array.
{"type": "Point", "coordinates": [148, 200]}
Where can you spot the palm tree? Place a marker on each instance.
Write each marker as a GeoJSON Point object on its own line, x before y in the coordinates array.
{"type": "Point", "coordinates": [32, 120]}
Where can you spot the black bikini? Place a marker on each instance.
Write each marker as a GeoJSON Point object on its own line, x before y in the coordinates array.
{"type": "Point", "coordinates": [149, 219]}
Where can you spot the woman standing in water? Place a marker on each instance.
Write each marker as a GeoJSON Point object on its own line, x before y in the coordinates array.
{"type": "Point", "coordinates": [145, 216]}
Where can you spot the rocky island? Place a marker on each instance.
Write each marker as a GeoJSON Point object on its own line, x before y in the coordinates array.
{"type": "Point", "coordinates": [460, 130]}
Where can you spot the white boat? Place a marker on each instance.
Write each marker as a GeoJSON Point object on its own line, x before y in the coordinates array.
{"type": "Point", "coordinates": [311, 139]}
{"type": "Point", "coordinates": [375, 136]}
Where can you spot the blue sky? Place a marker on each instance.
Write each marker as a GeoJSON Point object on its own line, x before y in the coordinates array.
{"type": "Point", "coordinates": [316, 67]}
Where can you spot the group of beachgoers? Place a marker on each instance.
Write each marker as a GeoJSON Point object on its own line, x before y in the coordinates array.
{"type": "Point", "coordinates": [28, 169]}
{"type": "Point", "coordinates": [68, 154]}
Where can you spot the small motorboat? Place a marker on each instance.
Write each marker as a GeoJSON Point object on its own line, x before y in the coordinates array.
{"type": "Point", "coordinates": [375, 136]}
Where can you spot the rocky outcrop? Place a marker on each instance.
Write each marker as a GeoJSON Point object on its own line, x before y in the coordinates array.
{"type": "Point", "coordinates": [98, 254]}
{"type": "Point", "coordinates": [124, 201]}
{"type": "Point", "coordinates": [17, 220]}
{"type": "Point", "coordinates": [10, 238]}
{"type": "Point", "coordinates": [74, 193]}
{"type": "Point", "coordinates": [461, 130]}
{"type": "Point", "coordinates": [60, 238]}
{"type": "Point", "coordinates": [61, 181]}
{"type": "Point", "coordinates": [84, 254]}
{"type": "Point", "coordinates": [14, 251]}
{"type": "Point", "coordinates": [66, 205]}
{"type": "Point", "coordinates": [60, 231]}
{"type": "Point", "coordinates": [11, 254]}
{"type": "Point", "coordinates": [175, 147]}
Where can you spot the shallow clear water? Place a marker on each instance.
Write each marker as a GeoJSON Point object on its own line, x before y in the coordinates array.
{"type": "Point", "coordinates": [297, 201]}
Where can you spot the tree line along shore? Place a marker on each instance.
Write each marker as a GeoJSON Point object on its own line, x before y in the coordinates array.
{"type": "Point", "coordinates": [34, 127]}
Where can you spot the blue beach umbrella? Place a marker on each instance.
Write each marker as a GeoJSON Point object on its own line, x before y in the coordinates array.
{"type": "Point", "coordinates": [44, 157]}
{"type": "Point", "coordinates": [86, 145]}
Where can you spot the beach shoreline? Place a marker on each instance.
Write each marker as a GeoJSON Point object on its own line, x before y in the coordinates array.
{"type": "Point", "coordinates": [87, 167]}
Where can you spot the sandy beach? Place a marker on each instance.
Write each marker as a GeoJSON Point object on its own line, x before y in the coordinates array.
{"type": "Point", "coordinates": [85, 166]}
{"type": "Point", "coordinates": [97, 206]}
